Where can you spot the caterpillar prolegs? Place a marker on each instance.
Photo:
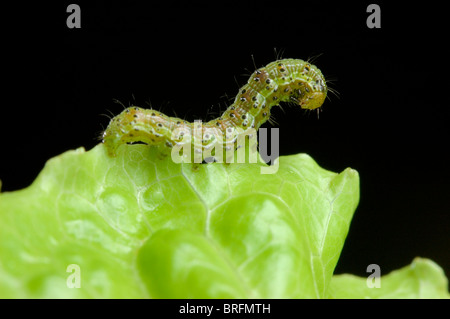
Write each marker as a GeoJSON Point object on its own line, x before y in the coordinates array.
{"type": "Point", "coordinates": [288, 80]}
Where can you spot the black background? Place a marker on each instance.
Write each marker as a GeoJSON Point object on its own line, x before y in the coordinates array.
{"type": "Point", "coordinates": [390, 121]}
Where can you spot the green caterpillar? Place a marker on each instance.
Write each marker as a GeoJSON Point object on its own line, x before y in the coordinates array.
{"type": "Point", "coordinates": [288, 80]}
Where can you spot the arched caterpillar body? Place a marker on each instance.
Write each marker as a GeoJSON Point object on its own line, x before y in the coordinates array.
{"type": "Point", "coordinates": [288, 80]}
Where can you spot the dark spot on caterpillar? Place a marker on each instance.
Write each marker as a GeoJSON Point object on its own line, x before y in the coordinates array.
{"type": "Point", "coordinates": [268, 81]}
{"type": "Point", "coordinates": [136, 129]}
{"type": "Point", "coordinates": [243, 99]}
{"type": "Point", "coordinates": [286, 90]}
{"type": "Point", "coordinates": [267, 87]}
{"type": "Point", "coordinates": [178, 122]}
{"type": "Point", "coordinates": [265, 114]}
{"type": "Point", "coordinates": [258, 72]}
{"type": "Point", "coordinates": [275, 98]}
{"type": "Point", "coordinates": [168, 144]}
{"type": "Point", "coordinates": [243, 91]}
{"type": "Point", "coordinates": [135, 115]}
{"type": "Point", "coordinates": [232, 115]}
{"type": "Point", "coordinates": [307, 89]}
{"type": "Point", "coordinates": [254, 98]}
{"type": "Point", "coordinates": [153, 114]}
{"type": "Point", "coordinates": [255, 106]}
{"type": "Point", "coordinates": [232, 108]}
{"type": "Point", "coordinates": [136, 109]}
{"type": "Point", "coordinates": [160, 125]}
{"type": "Point", "coordinates": [244, 117]}
{"type": "Point", "coordinates": [256, 79]}
{"type": "Point", "coordinates": [217, 123]}
{"type": "Point", "coordinates": [275, 90]}
{"type": "Point", "coordinates": [282, 70]}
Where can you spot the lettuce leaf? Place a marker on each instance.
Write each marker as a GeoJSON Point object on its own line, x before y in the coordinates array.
{"type": "Point", "coordinates": [423, 279]}
{"type": "Point", "coordinates": [139, 226]}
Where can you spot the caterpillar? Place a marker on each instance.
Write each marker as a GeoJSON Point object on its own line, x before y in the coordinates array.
{"type": "Point", "coordinates": [287, 80]}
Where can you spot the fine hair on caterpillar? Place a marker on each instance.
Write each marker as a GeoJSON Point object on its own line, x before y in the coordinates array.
{"type": "Point", "coordinates": [290, 81]}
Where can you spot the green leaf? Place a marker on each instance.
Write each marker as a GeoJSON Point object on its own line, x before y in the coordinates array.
{"type": "Point", "coordinates": [139, 226]}
{"type": "Point", "coordinates": [422, 279]}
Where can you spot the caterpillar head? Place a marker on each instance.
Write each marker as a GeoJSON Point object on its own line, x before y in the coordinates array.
{"type": "Point", "coordinates": [313, 101]}
{"type": "Point", "coordinates": [313, 94]}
